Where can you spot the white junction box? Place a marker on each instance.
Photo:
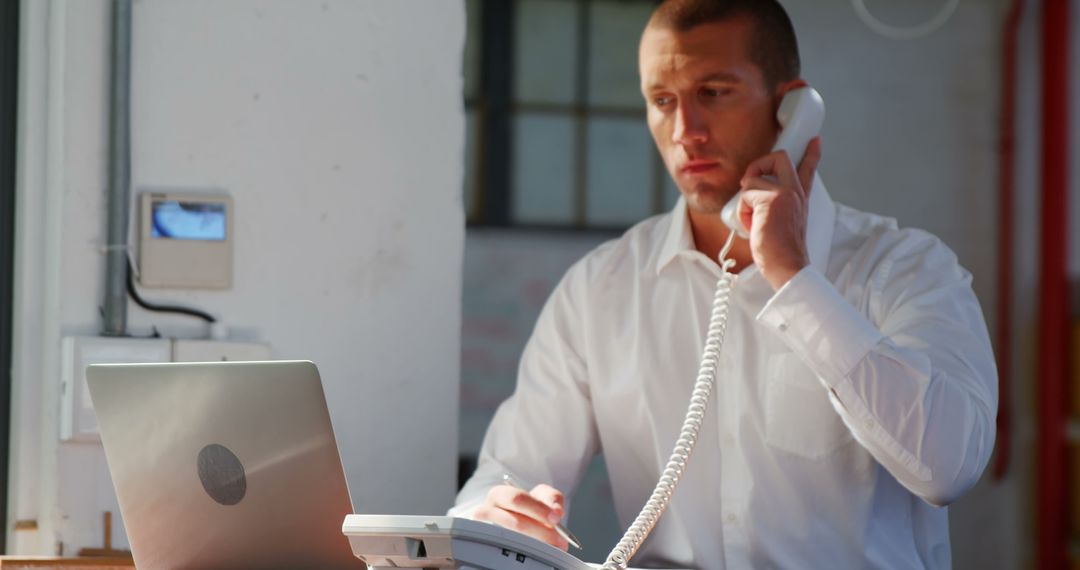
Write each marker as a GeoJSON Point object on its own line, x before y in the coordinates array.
{"type": "Point", "coordinates": [78, 423]}
{"type": "Point", "coordinates": [218, 350]}
{"type": "Point", "coordinates": [77, 419]}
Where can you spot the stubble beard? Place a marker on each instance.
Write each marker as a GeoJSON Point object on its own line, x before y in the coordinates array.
{"type": "Point", "coordinates": [708, 197]}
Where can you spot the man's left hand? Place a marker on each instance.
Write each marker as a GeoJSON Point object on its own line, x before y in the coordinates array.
{"type": "Point", "coordinates": [774, 206]}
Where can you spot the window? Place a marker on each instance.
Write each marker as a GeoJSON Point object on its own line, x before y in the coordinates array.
{"type": "Point", "coordinates": [9, 75]}
{"type": "Point", "coordinates": [556, 133]}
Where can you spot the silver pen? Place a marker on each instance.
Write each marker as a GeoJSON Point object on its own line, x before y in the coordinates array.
{"type": "Point", "coordinates": [559, 528]}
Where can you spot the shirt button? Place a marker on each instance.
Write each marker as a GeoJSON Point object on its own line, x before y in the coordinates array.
{"type": "Point", "coordinates": [783, 327]}
{"type": "Point", "coordinates": [869, 424]}
{"type": "Point", "coordinates": [731, 518]}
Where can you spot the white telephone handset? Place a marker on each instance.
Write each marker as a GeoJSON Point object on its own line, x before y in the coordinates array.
{"type": "Point", "coordinates": [801, 114]}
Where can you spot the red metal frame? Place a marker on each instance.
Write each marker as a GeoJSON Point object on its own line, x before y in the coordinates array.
{"type": "Point", "coordinates": [1006, 175]}
{"type": "Point", "coordinates": [1052, 492]}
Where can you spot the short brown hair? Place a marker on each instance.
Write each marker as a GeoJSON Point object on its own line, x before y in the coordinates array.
{"type": "Point", "coordinates": [773, 46]}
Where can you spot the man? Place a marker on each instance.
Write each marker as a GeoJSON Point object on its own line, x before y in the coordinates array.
{"type": "Point", "coordinates": [856, 390]}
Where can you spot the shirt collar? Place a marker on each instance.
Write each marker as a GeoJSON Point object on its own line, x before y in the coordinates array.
{"type": "Point", "coordinates": [819, 230]}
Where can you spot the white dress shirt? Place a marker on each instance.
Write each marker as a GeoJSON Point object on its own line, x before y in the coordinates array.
{"type": "Point", "coordinates": [850, 406]}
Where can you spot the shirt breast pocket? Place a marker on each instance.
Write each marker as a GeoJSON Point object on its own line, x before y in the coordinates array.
{"type": "Point", "coordinates": [799, 418]}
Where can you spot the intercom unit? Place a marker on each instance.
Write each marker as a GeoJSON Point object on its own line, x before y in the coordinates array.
{"type": "Point", "coordinates": [185, 240]}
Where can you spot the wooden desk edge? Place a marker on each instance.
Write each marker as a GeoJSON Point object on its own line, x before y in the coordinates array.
{"type": "Point", "coordinates": [13, 562]}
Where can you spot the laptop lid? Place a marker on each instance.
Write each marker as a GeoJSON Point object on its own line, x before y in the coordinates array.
{"type": "Point", "coordinates": [224, 465]}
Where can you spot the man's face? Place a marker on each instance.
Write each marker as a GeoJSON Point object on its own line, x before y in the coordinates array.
{"type": "Point", "coordinates": [708, 108]}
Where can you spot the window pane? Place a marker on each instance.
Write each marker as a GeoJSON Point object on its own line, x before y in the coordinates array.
{"type": "Point", "coordinates": [613, 48]}
{"type": "Point", "coordinates": [545, 48]}
{"type": "Point", "coordinates": [620, 172]}
{"type": "Point", "coordinates": [472, 165]}
{"type": "Point", "coordinates": [543, 169]}
{"type": "Point", "coordinates": [471, 63]}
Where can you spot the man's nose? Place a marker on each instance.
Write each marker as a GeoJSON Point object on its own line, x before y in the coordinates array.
{"type": "Point", "coordinates": [689, 127]}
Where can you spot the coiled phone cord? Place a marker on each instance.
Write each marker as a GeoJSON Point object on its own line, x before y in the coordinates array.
{"type": "Point", "coordinates": [699, 402]}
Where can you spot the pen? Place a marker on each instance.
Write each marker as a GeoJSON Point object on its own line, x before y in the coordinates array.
{"type": "Point", "coordinates": [559, 528]}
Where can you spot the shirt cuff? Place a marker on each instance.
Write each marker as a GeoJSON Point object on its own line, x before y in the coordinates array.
{"type": "Point", "coordinates": [820, 325]}
{"type": "Point", "coordinates": [466, 510]}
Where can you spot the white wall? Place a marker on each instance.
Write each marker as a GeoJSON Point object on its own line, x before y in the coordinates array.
{"type": "Point", "coordinates": [911, 132]}
{"type": "Point", "coordinates": [911, 128]}
{"type": "Point", "coordinates": [337, 126]}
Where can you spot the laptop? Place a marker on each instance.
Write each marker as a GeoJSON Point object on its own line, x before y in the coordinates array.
{"type": "Point", "coordinates": [224, 465]}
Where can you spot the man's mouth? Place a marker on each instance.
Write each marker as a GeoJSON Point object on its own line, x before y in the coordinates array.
{"type": "Point", "coordinates": [699, 166]}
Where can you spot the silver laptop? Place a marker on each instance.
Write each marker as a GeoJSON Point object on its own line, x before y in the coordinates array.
{"type": "Point", "coordinates": [224, 465]}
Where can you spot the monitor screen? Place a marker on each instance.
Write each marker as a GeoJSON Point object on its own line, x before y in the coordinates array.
{"type": "Point", "coordinates": [172, 219]}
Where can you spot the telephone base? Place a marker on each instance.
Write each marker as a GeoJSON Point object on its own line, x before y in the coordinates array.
{"type": "Point", "coordinates": [400, 541]}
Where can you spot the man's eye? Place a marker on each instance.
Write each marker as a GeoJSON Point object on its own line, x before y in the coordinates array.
{"type": "Point", "coordinates": [712, 93]}
{"type": "Point", "coordinates": [661, 101]}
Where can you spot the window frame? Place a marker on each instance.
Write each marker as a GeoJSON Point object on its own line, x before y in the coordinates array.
{"type": "Point", "coordinates": [495, 108]}
{"type": "Point", "coordinates": [9, 80]}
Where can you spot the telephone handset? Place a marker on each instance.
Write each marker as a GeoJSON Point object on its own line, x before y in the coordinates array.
{"type": "Point", "coordinates": [801, 115]}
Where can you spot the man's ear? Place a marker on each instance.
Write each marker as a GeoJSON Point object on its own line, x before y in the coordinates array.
{"type": "Point", "coordinates": [784, 88]}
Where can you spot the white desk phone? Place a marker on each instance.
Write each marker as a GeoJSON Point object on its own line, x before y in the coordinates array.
{"type": "Point", "coordinates": [446, 542]}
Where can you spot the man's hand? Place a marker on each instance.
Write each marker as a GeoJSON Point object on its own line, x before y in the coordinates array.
{"type": "Point", "coordinates": [774, 206]}
{"type": "Point", "coordinates": [534, 513]}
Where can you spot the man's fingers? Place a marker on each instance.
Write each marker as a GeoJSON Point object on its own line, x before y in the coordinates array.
{"type": "Point", "coordinates": [809, 164]}
{"type": "Point", "coordinates": [553, 498]}
{"type": "Point", "coordinates": [516, 509]}
{"type": "Point", "coordinates": [776, 163]}
{"type": "Point", "coordinates": [764, 166]}
{"type": "Point", "coordinates": [747, 202]}
{"type": "Point", "coordinates": [759, 183]}
{"type": "Point", "coordinates": [526, 525]}
{"type": "Point", "coordinates": [518, 501]}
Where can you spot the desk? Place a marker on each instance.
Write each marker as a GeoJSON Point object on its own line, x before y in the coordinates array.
{"type": "Point", "coordinates": [56, 563]}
